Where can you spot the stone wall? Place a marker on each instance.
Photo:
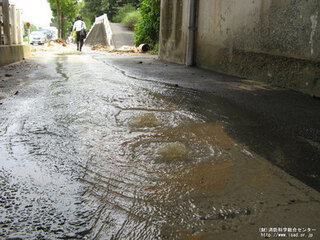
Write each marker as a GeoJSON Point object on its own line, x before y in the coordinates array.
{"type": "Point", "coordinates": [277, 41]}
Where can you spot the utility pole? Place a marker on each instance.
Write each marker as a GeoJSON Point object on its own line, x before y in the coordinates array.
{"type": "Point", "coordinates": [28, 28]}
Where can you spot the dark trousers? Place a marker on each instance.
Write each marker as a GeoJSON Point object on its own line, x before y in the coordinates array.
{"type": "Point", "coordinates": [79, 41]}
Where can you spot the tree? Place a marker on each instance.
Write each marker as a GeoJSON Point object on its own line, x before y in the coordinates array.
{"type": "Point", "coordinates": [85, 18]}
{"type": "Point", "coordinates": [64, 13]}
{"type": "Point", "coordinates": [147, 29]}
{"type": "Point", "coordinates": [95, 8]}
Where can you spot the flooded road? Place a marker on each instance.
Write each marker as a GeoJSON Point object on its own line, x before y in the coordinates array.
{"type": "Point", "coordinates": [89, 153]}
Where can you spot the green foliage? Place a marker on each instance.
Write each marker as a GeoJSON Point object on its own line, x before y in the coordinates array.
{"type": "Point", "coordinates": [87, 22]}
{"type": "Point", "coordinates": [147, 29]}
{"type": "Point", "coordinates": [25, 29]}
{"type": "Point", "coordinates": [155, 49]}
{"type": "Point", "coordinates": [96, 8]}
{"type": "Point", "coordinates": [67, 11]}
{"type": "Point", "coordinates": [123, 11]}
{"type": "Point", "coordinates": [131, 19]}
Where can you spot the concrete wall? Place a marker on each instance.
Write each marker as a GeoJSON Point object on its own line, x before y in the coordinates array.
{"type": "Point", "coordinates": [275, 40]}
{"type": "Point", "coordinates": [13, 50]}
{"type": "Point", "coordinates": [173, 30]}
{"type": "Point", "coordinates": [97, 35]}
{"type": "Point", "coordinates": [13, 53]}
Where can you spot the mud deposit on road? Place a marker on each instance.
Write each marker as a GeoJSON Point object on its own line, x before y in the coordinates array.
{"type": "Point", "coordinates": [88, 153]}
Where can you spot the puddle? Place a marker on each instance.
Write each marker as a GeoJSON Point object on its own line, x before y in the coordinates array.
{"type": "Point", "coordinates": [59, 68]}
{"type": "Point", "coordinates": [144, 120]}
{"type": "Point", "coordinates": [264, 178]}
{"type": "Point", "coordinates": [172, 151]}
{"type": "Point", "coordinates": [211, 134]}
{"type": "Point", "coordinates": [205, 176]}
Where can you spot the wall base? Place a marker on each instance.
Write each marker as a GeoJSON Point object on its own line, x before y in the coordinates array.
{"type": "Point", "coordinates": [297, 74]}
{"type": "Point", "coordinates": [13, 53]}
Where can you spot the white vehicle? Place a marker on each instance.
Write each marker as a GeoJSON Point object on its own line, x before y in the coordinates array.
{"type": "Point", "coordinates": [37, 37]}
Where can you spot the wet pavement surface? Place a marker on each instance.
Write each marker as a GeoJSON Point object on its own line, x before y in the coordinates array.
{"type": "Point", "coordinates": [121, 36]}
{"type": "Point", "coordinates": [89, 152]}
{"type": "Point", "coordinates": [287, 120]}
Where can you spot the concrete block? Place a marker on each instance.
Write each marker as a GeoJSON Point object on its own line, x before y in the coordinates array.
{"type": "Point", "coordinates": [13, 53]}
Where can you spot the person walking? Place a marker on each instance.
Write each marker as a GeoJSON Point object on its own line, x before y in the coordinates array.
{"type": "Point", "coordinates": [80, 27]}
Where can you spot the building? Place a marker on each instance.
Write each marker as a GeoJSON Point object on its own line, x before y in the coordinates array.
{"type": "Point", "coordinates": [276, 41]}
{"type": "Point", "coordinates": [12, 48]}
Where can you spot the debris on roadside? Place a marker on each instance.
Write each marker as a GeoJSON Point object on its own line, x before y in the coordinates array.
{"type": "Point", "coordinates": [111, 49]}
{"type": "Point", "coordinates": [100, 47]}
{"type": "Point", "coordinates": [58, 45]}
{"type": "Point", "coordinates": [61, 41]}
{"type": "Point", "coordinates": [130, 49]}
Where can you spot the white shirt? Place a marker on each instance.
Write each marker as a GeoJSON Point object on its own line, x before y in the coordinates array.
{"type": "Point", "coordinates": [78, 25]}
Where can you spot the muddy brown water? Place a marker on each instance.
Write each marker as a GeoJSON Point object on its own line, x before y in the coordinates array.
{"type": "Point", "coordinates": [88, 153]}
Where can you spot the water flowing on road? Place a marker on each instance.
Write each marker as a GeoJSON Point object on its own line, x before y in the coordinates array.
{"type": "Point", "coordinates": [89, 153]}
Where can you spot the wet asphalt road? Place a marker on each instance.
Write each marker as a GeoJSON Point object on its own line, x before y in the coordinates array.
{"type": "Point", "coordinates": [287, 129]}
{"type": "Point", "coordinates": [88, 152]}
{"type": "Point", "coordinates": [121, 35]}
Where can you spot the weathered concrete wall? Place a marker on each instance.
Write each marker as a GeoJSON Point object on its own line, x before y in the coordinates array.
{"type": "Point", "coordinates": [275, 41]}
{"type": "Point", "coordinates": [97, 35]}
{"type": "Point", "coordinates": [13, 53]}
{"type": "Point", "coordinates": [173, 30]}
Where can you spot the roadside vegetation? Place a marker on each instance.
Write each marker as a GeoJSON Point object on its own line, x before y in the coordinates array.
{"type": "Point", "coordinates": [128, 15]}
{"type": "Point", "coordinates": [147, 28]}
{"type": "Point", "coordinates": [123, 11]}
{"type": "Point", "coordinates": [131, 19]}
{"type": "Point", "coordinates": [142, 16]}
{"type": "Point", "coordinates": [64, 13]}
{"type": "Point", "coordinates": [25, 31]}
{"type": "Point", "coordinates": [95, 8]}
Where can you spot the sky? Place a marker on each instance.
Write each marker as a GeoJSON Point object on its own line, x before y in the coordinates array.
{"type": "Point", "coordinates": [37, 12]}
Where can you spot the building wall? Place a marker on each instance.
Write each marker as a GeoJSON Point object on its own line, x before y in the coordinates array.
{"type": "Point", "coordinates": [12, 30]}
{"type": "Point", "coordinates": [276, 41]}
{"type": "Point", "coordinates": [173, 30]}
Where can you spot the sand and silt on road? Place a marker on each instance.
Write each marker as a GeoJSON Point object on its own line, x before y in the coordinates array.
{"type": "Point", "coordinates": [90, 153]}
